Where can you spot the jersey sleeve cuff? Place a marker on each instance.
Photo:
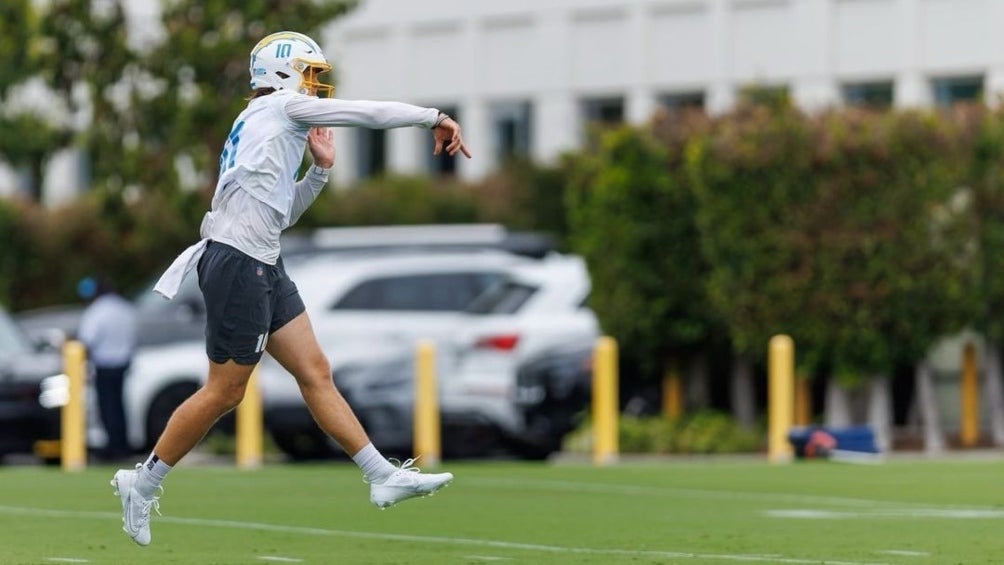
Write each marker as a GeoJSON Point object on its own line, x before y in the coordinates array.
{"type": "Point", "coordinates": [318, 171]}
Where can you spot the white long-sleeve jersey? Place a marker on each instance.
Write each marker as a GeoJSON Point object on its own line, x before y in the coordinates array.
{"type": "Point", "coordinates": [257, 196]}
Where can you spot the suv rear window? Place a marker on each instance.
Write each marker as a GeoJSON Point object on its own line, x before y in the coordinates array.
{"type": "Point", "coordinates": [506, 297]}
{"type": "Point", "coordinates": [438, 292]}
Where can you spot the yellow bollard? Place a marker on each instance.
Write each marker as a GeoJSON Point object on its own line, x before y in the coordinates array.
{"type": "Point", "coordinates": [781, 377]}
{"type": "Point", "coordinates": [427, 429]}
{"type": "Point", "coordinates": [803, 401]}
{"type": "Point", "coordinates": [969, 415]}
{"type": "Point", "coordinates": [73, 420]}
{"type": "Point", "coordinates": [672, 394]}
{"type": "Point", "coordinates": [605, 401]}
{"type": "Point", "coordinates": [249, 427]}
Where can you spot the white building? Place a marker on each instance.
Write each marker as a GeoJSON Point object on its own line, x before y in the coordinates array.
{"type": "Point", "coordinates": [524, 76]}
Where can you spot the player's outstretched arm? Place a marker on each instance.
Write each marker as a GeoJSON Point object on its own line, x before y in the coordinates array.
{"type": "Point", "coordinates": [332, 112]}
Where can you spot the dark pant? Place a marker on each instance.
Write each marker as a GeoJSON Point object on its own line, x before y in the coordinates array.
{"type": "Point", "coordinates": [109, 383]}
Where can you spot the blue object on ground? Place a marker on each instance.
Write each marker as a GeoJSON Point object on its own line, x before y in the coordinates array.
{"type": "Point", "coordinates": [819, 441]}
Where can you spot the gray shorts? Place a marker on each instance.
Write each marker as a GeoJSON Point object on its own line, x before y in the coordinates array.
{"type": "Point", "coordinates": [246, 300]}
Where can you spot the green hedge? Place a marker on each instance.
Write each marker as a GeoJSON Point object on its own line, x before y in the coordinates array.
{"type": "Point", "coordinates": [855, 232]}
{"type": "Point", "coordinates": [704, 432]}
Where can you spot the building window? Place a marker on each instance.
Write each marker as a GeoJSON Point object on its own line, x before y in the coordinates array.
{"type": "Point", "coordinates": [606, 111]}
{"type": "Point", "coordinates": [443, 164]}
{"type": "Point", "coordinates": [372, 154]}
{"type": "Point", "coordinates": [953, 90]}
{"type": "Point", "coordinates": [512, 124]}
{"type": "Point", "coordinates": [682, 101]}
{"type": "Point", "coordinates": [868, 94]}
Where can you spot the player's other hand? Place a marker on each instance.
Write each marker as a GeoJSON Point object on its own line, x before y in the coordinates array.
{"type": "Point", "coordinates": [447, 135]}
{"type": "Point", "coordinates": [322, 147]}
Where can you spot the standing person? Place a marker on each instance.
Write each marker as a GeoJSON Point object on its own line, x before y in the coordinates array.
{"type": "Point", "coordinates": [108, 331]}
{"type": "Point", "coordinates": [251, 305]}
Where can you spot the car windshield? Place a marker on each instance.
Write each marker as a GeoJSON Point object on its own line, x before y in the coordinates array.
{"type": "Point", "coordinates": [11, 338]}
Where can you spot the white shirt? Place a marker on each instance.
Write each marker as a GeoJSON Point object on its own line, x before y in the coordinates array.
{"type": "Point", "coordinates": [108, 329]}
{"type": "Point", "coordinates": [256, 196]}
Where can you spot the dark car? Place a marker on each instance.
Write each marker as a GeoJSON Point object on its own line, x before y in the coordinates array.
{"type": "Point", "coordinates": [24, 422]}
{"type": "Point", "coordinates": [551, 396]}
{"type": "Point", "coordinates": [382, 396]}
{"type": "Point", "coordinates": [552, 393]}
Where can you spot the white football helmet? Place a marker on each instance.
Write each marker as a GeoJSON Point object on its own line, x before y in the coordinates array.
{"type": "Point", "coordinates": [291, 61]}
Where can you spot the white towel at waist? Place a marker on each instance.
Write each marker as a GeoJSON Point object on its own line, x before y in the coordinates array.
{"type": "Point", "coordinates": [172, 278]}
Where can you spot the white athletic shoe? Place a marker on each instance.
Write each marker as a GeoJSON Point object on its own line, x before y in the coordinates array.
{"type": "Point", "coordinates": [407, 482]}
{"type": "Point", "coordinates": [135, 508]}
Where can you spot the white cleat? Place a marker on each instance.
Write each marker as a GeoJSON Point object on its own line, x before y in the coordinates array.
{"type": "Point", "coordinates": [407, 482]}
{"type": "Point", "coordinates": [135, 508]}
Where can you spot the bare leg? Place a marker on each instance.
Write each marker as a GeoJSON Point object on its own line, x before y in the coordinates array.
{"type": "Point", "coordinates": [223, 390]}
{"type": "Point", "coordinates": [295, 347]}
{"type": "Point", "coordinates": [190, 422]}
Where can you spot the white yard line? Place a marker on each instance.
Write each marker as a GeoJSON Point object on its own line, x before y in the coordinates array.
{"type": "Point", "coordinates": [701, 494]}
{"type": "Point", "coordinates": [936, 513]}
{"type": "Point", "coordinates": [280, 559]}
{"type": "Point", "coordinates": [437, 540]}
{"type": "Point", "coordinates": [903, 552]}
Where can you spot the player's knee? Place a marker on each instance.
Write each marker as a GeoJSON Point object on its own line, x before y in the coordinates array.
{"type": "Point", "coordinates": [227, 396]}
{"type": "Point", "coordinates": [233, 398]}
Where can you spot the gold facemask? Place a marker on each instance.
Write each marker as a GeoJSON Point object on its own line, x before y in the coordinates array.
{"type": "Point", "coordinates": [309, 71]}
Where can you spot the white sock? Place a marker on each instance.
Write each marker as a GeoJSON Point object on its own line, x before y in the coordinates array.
{"type": "Point", "coordinates": [151, 474]}
{"type": "Point", "coordinates": [374, 466]}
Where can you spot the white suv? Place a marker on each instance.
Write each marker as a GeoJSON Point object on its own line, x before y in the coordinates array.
{"type": "Point", "coordinates": [539, 308]}
{"type": "Point", "coordinates": [371, 294]}
{"type": "Point", "coordinates": [371, 308]}
{"type": "Point", "coordinates": [510, 379]}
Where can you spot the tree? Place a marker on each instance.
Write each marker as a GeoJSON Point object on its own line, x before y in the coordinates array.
{"type": "Point", "coordinates": [851, 232]}
{"type": "Point", "coordinates": [988, 184]}
{"type": "Point", "coordinates": [201, 77]}
{"type": "Point", "coordinates": [152, 114]}
{"type": "Point", "coordinates": [631, 214]}
{"type": "Point", "coordinates": [86, 45]}
{"type": "Point", "coordinates": [27, 137]}
{"type": "Point", "coordinates": [752, 177]}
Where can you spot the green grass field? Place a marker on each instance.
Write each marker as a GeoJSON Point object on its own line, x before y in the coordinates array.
{"type": "Point", "coordinates": [715, 511]}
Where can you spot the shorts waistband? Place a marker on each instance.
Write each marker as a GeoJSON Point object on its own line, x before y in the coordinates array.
{"type": "Point", "coordinates": [219, 247]}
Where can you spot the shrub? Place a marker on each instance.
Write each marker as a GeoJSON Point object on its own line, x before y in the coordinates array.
{"type": "Point", "coordinates": [697, 433]}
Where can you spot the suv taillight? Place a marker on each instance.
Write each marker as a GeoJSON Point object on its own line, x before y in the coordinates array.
{"type": "Point", "coordinates": [500, 342]}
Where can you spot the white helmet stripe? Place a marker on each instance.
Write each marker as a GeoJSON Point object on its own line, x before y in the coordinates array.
{"type": "Point", "coordinates": [285, 35]}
